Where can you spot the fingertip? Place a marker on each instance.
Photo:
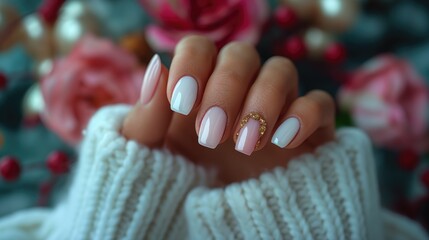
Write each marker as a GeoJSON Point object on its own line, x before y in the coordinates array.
{"type": "Point", "coordinates": [191, 67]}
{"type": "Point", "coordinates": [309, 118]}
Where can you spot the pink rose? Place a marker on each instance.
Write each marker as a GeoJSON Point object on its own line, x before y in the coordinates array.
{"type": "Point", "coordinates": [222, 21]}
{"type": "Point", "coordinates": [96, 73]}
{"type": "Point", "coordinates": [389, 101]}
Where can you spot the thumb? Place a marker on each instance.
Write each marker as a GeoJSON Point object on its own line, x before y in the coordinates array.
{"type": "Point", "coordinates": [150, 118]}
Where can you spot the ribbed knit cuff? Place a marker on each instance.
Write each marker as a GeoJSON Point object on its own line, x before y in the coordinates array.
{"type": "Point", "coordinates": [331, 194]}
{"type": "Point", "coordinates": [122, 189]}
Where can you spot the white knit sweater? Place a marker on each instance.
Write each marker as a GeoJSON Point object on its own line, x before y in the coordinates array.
{"type": "Point", "coordinates": [122, 190]}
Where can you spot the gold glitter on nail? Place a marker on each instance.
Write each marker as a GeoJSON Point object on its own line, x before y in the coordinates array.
{"type": "Point", "coordinates": [262, 125]}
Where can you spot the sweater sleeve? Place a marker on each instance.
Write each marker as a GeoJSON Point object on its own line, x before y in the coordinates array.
{"type": "Point", "coordinates": [120, 190]}
{"type": "Point", "coordinates": [331, 194]}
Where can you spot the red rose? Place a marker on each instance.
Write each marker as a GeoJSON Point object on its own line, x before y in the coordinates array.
{"type": "Point", "coordinates": [388, 100]}
{"type": "Point", "coordinates": [222, 21]}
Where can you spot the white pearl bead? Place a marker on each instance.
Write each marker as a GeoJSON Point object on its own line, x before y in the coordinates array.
{"type": "Point", "coordinates": [336, 15]}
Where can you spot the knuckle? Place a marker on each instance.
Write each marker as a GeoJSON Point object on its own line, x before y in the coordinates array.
{"type": "Point", "coordinates": [195, 44]}
{"type": "Point", "coordinates": [312, 105]}
{"type": "Point", "coordinates": [284, 66]}
{"type": "Point", "coordinates": [243, 50]}
{"type": "Point", "coordinates": [231, 78]}
{"type": "Point", "coordinates": [276, 88]}
{"type": "Point", "coordinates": [281, 62]}
{"type": "Point", "coordinates": [326, 100]}
{"type": "Point", "coordinates": [238, 46]}
{"type": "Point", "coordinates": [280, 76]}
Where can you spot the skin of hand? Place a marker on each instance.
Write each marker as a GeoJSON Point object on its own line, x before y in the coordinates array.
{"type": "Point", "coordinates": [196, 109]}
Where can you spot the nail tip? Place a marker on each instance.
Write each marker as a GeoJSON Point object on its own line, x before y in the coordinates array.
{"type": "Point", "coordinates": [178, 110]}
{"type": "Point", "coordinates": [277, 143]}
{"type": "Point", "coordinates": [243, 151]}
{"type": "Point", "coordinates": [207, 145]}
{"type": "Point", "coordinates": [155, 58]}
{"type": "Point", "coordinates": [247, 154]}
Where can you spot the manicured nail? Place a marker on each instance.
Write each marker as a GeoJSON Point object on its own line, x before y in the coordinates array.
{"type": "Point", "coordinates": [248, 137]}
{"type": "Point", "coordinates": [184, 95]}
{"type": "Point", "coordinates": [212, 127]}
{"type": "Point", "coordinates": [150, 80]}
{"type": "Point", "coordinates": [286, 132]}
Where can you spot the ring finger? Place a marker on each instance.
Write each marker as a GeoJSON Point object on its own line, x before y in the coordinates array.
{"type": "Point", "coordinates": [272, 92]}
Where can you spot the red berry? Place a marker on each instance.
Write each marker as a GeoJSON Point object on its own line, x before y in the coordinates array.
{"type": "Point", "coordinates": [49, 10]}
{"type": "Point", "coordinates": [425, 178]}
{"type": "Point", "coordinates": [10, 169]}
{"type": "Point", "coordinates": [3, 81]}
{"type": "Point", "coordinates": [335, 53]}
{"type": "Point", "coordinates": [58, 162]}
{"type": "Point", "coordinates": [295, 48]}
{"type": "Point", "coordinates": [286, 17]}
{"type": "Point", "coordinates": [408, 160]}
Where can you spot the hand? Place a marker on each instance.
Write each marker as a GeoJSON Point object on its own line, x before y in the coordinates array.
{"type": "Point", "coordinates": [214, 92]}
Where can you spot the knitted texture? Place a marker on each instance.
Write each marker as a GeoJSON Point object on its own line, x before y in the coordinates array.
{"type": "Point", "coordinates": [122, 190]}
{"type": "Point", "coordinates": [329, 195]}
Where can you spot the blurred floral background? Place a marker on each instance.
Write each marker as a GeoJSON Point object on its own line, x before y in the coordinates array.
{"type": "Point", "coordinates": [62, 60]}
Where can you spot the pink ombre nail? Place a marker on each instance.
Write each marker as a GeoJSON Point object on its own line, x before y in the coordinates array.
{"type": "Point", "coordinates": [150, 80]}
{"type": "Point", "coordinates": [248, 137]}
{"type": "Point", "coordinates": [212, 127]}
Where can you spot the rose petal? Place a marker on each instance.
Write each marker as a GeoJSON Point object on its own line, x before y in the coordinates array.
{"type": "Point", "coordinates": [389, 101]}
{"type": "Point", "coordinates": [94, 74]}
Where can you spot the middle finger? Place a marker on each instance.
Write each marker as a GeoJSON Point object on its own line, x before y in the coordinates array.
{"type": "Point", "coordinates": [236, 67]}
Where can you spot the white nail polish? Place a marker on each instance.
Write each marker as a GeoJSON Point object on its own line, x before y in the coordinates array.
{"type": "Point", "coordinates": [184, 95]}
{"type": "Point", "coordinates": [286, 132]}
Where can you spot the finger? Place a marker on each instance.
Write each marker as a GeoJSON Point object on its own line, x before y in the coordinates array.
{"type": "Point", "coordinates": [148, 122]}
{"type": "Point", "coordinates": [225, 92]}
{"type": "Point", "coordinates": [308, 115]}
{"type": "Point", "coordinates": [190, 69]}
{"type": "Point", "coordinates": [276, 83]}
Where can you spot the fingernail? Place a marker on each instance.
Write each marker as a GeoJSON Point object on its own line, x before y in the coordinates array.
{"type": "Point", "coordinates": [286, 132]}
{"type": "Point", "coordinates": [212, 127]}
{"type": "Point", "coordinates": [184, 95]}
{"type": "Point", "coordinates": [248, 137]}
{"type": "Point", "coordinates": [150, 80]}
